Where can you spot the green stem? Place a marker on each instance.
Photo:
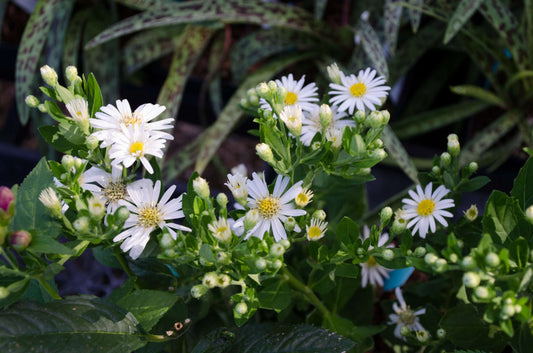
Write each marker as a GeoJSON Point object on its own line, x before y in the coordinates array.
{"type": "Point", "coordinates": [47, 287]}
{"type": "Point", "coordinates": [125, 266]}
{"type": "Point", "coordinates": [76, 249]}
{"type": "Point", "coordinates": [309, 295]}
{"type": "Point", "coordinates": [7, 256]}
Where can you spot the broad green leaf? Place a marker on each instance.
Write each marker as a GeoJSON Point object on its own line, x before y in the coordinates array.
{"type": "Point", "coordinates": [275, 295]}
{"type": "Point", "coordinates": [30, 213]}
{"type": "Point", "coordinates": [94, 95]}
{"type": "Point", "coordinates": [76, 324]}
{"type": "Point", "coordinates": [193, 41]}
{"type": "Point", "coordinates": [15, 284]}
{"type": "Point", "coordinates": [479, 93]}
{"type": "Point", "coordinates": [225, 11]}
{"type": "Point", "coordinates": [212, 138]}
{"type": "Point", "coordinates": [432, 120]}
{"type": "Point", "coordinates": [33, 40]}
{"type": "Point", "coordinates": [473, 184]}
{"type": "Point", "coordinates": [487, 137]}
{"type": "Point", "coordinates": [273, 338]}
{"type": "Point", "coordinates": [465, 9]}
{"type": "Point", "coordinates": [347, 231]}
{"type": "Point", "coordinates": [147, 305]}
{"type": "Point", "coordinates": [362, 335]}
{"type": "Point", "coordinates": [500, 216]}
{"type": "Point", "coordinates": [73, 37]}
{"type": "Point", "coordinates": [392, 16]}
{"type": "Point", "coordinates": [523, 185]}
{"type": "Point", "coordinates": [464, 327]}
{"type": "Point", "coordinates": [399, 154]}
{"type": "Point", "coordinates": [52, 136]}
{"type": "Point", "coordinates": [150, 45]}
{"type": "Point", "coordinates": [372, 47]}
{"type": "Point", "coordinates": [44, 243]}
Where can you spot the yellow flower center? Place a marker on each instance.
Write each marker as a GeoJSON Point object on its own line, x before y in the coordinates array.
{"type": "Point", "coordinates": [314, 232]}
{"type": "Point", "coordinates": [371, 261]}
{"type": "Point", "coordinates": [115, 191]}
{"type": "Point", "coordinates": [137, 148]}
{"type": "Point", "coordinates": [425, 207]}
{"type": "Point", "coordinates": [302, 199]}
{"type": "Point", "coordinates": [268, 207]}
{"type": "Point", "coordinates": [358, 89]}
{"type": "Point", "coordinates": [131, 120]}
{"type": "Point", "coordinates": [290, 98]}
{"type": "Point", "coordinates": [149, 216]}
{"type": "Point", "coordinates": [407, 316]}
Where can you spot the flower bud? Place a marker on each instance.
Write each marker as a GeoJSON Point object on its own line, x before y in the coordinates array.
{"type": "Point", "coordinates": [388, 254]}
{"type": "Point", "coordinates": [303, 198]}
{"type": "Point", "coordinates": [210, 280]}
{"type": "Point", "coordinates": [430, 259]}
{"type": "Point", "coordinates": [285, 243]}
{"type": "Point", "coordinates": [166, 241]}
{"type": "Point", "coordinates": [67, 161]}
{"type": "Point", "coordinates": [32, 101]}
{"type": "Point", "coordinates": [78, 163]}
{"type": "Point", "coordinates": [471, 279]}
{"type": "Point", "coordinates": [360, 116]}
{"type": "Point", "coordinates": [374, 120]}
{"type": "Point", "coordinates": [91, 142]}
{"type": "Point", "coordinates": [81, 225]}
{"type": "Point", "coordinates": [275, 265]}
{"type": "Point", "coordinates": [223, 280]}
{"type": "Point", "coordinates": [222, 200]}
{"type": "Point", "coordinates": [277, 250]}
{"type": "Point", "coordinates": [272, 86]}
{"type": "Point", "coordinates": [378, 143]}
{"type": "Point", "coordinates": [324, 114]}
{"type": "Point", "coordinates": [122, 214]}
{"type": "Point", "coordinates": [398, 226]}
{"type": "Point", "coordinates": [378, 153]}
{"type": "Point", "coordinates": [472, 167]}
{"type": "Point", "coordinates": [386, 116]}
{"type": "Point", "coordinates": [492, 260]}
{"type": "Point", "coordinates": [334, 73]}
{"type": "Point", "coordinates": [198, 291]}
{"type": "Point", "coordinates": [265, 152]}
{"type": "Point", "coordinates": [507, 312]}
{"type": "Point", "coordinates": [42, 108]}
{"type": "Point", "coordinates": [244, 103]}
{"type": "Point", "coordinates": [71, 73]}
{"type": "Point", "coordinates": [529, 214]}
{"type": "Point", "coordinates": [201, 188]}
{"type": "Point", "coordinates": [481, 292]}
{"type": "Point", "coordinates": [260, 264]}
{"type": "Point", "coordinates": [315, 146]}
{"type": "Point", "coordinates": [436, 170]}
{"type": "Point", "coordinates": [6, 197]}
{"type": "Point", "coordinates": [241, 308]}
{"type": "Point", "coordinates": [289, 224]}
{"type": "Point", "coordinates": [405, 331]}
{"type": "Point", "coordinates": [97, 207]}
{"type": "Point", "coordinates": [319, 214]}
{"type": "Point", "coordinates": [4, 292]}
{"type": "Point", "coordinates": [441, 333]}
{"type": "Point", "coordinates": [263, 90]}
{"type": "Point", "coordinates": [445, 159]}
{"type": "Point", "coordinates": [441, 265]}
{"type": "Point", "coordinates": [19, 240]}
{"type": "Point", "coordinates": [422, 336]}
{"type": "Point", "coordinates": [49, 75]}
{"type": "Point", "coordinates": [251, 218]}
{"type": "Point", "coordinates": [468, 263]}
{"type": "Point", "coordinates": [420, 251]}
{"type": "Point", "coordinates": [454, 258]}
{"type": "Point", "coordinates": [385, 215]}
{"type": "Point", "coordinates": [48, 198]}
{"type": "Point", "coordinates": [223, 258]}
{"type": "Point", "coordinates": [453, 145]}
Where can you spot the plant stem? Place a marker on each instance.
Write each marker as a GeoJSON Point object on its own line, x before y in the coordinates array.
{"type": "Point", "coordinates": [7, 256]}
{"type": "Point", "coordinates": [308, 293]}
{"type": "Point", "coordinates": [125, 266]}
{"type": "Point", "coordinates": [76, 249]}
{"type": "Point", "coordinates": [47, 287]}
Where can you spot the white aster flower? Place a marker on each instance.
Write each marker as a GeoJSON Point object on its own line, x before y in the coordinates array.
{"type": "Point", "coordinates": [404, 316]}
{"type": "Point", "coordinates": [303, 198]}
{"type": "Point", "coordinates": [239, 169]}
{"type": "Point", "coordinates": [148, 212]}
{"type": "Point", "coordinates": [274, 208]}
{"type": "Point", "coordinates": [311, 123]}
{"type": "Point", "coordinates": [79, 112]}
{"type": "Point", "coordinates": [316, 229]}
{"type": "Point", "coordinates": [297, 94]}
{"type": "Point", "coordinates": [50, 200]}
{"type": "Point", "coordinates": [134, 143]}
{"type": "Point", "coordinates": [220, 229]}
{"type": "Point", "coordinates": [237, 185]}
{"type": "Point", "coordinates": [335, 137]}
{"type": "Point", "coordinates": [424, 207]}
{"type": "Point", "coordinates": [363, 91]}
{"type": "Point", "coordinates": [371, 271]}
{"type": "Point", "coordinates": [292, 116]}
{"type": "Point", "coordinates": [109, 120]}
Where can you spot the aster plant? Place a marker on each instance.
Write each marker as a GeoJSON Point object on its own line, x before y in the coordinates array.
{"type": "Point", "coordinates": [293, 243]}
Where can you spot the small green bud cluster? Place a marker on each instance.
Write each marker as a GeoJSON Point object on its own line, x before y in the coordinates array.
{"type": "Point", "coordinates": [436, 263]}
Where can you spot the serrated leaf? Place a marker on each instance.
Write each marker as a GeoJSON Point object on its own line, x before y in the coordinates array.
{"type": "Point", "coordinates": [30, 49]}
{"type": "Point", "coordinates": [392, 17]}
{"type": "Point", "coordinates": [465, 9]}
{"type": "Point", "coordinates": [147, 305]}
{"type": "Point", "coordinates": [479, 93]}
{"type": "Point", "coordinates": [372, 47]}
{"type": "Point", "coordinates": [274, 338]}
{"type": "Point", "coordinates": [225, 11]}
{"type": "Point", "coordinates": [523, 187]}
{"type": "Point", "coordinates": [88, 322]}
{"type": "Point", "coordinates": [399, 154]}
{"type": "Point", "coordinates": [487, 137]}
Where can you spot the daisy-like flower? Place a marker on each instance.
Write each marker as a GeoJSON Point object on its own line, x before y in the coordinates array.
{"type": "Point", "coordinates": [404, 316]}
{"type": "Point", "coordinates": [335, 137]}
{"type": "Point", "coordinates": [135, 143]}
{"type": "Point", "coordinates": [79, 112]}
{"type": "Point", "coordinates": [424, 207]}
{"type": "Point", "coordinates": [148, 212]}
{"type": "Point", "coordinates": [220, 229]}
{"type": "Point", "coordinates": [316, 229]}
{"type": "Point", "coordinates": [311, 123]}
{"type": "Point", "coordinates": [274, 208]}
{"type": "Point", "coordinates": [303, 198]}
{"type": "Point", "coordinates": [292, 117]}
{"type": "Point", "coordinates": [363, 91]}
{"type": "Point", "coordinates": [297, 93]}
{"type": "Point", "coordinates": [371, 271]}
{"type": "Point", "coordinates": [109, 120]}
{"type": "Point", "coordinates": [237, 185]}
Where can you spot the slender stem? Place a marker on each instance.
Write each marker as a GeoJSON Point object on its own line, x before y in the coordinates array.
{"type": "Point", "coordinates": [7, 256]}
{"type": "Point", "coordinates": [76, 249]}
{"type": "Point", "coordinates": [125, 266]}
{"type": "Point", "coordinates": [47, 287]}
{"type": "Point", "coordinates": [309, 295]}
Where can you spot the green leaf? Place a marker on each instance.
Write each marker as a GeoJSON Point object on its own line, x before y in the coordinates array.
{"type": "Point", "coordinates": [76, 324]}
{"type": "Point", "coordinates": [73, 37]}
{"type": "Point", "coordinates": [373, 47]}
{"type": "Point", "coordinates": [361, 334]}
{"type": "Point", "coordinates": [94, 94]}
{"type": "Point", "coordinates": [392, 16]}
{"type": "Point", "coordinates": [44, 243]}
{"type": "Point", "coordinates": [275, 295]}
{"type": "Point", "coordinates": [147, 305]}
{"type": "Point", "coordinates": [347, 231]}
{"type": "Point", "coordinates": [519, 252]}
{"type": "Point", "coordinates": [479, 93]}
{"type": "Point", "coordinates": [474, 184]}
{"type": "Point", "coordinates": [415, 15]}
{"type": "Point", "coordinates": [143, 4]}
{"type": "Point", "coordinates": [500, 216]}
{"type": "Point", "coordinates": [30, 213]}
{"type": "Point", "coordinates": [462, 14]}
{"type": "Point", "coordinates": [399, 154]}
{"type": "Point", "coordinates": [523, 187]}
{"type": "Point", "coordinates": [273, 338]}
{"type": "Point", "coordinates": [16, 286]}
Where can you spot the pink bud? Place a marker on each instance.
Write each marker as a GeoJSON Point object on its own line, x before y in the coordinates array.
{"type": "Point", "coordinates": [6, 197]}
{"type": "Point", "coordinates": [20, 240]}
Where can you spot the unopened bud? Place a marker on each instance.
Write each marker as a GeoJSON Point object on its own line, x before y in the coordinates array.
{"type": "Point", "coordinates": [277, 250]}
{"type": "Point", "coordinates": [166, 241]}
{"type": "Point", "coordinates": [263, 90]}
{"type": "Point", "coordinates": [223, 281]}
{"type": "Point", "coordinates": [445, 159]}
{"type": "Point", "coordinates": [260, 264]}
{"type": "Point", "coordinates": [436, 170]}
{"type": "Point", "coordinates": [223, 258]}
{"type": "Point", "coordinates": [91, 142]}
{"type": "Point", "coordinates": [454, 258]}
{"type": "Point", "coordinates": [251, 218]}
{"type": "Point", "coordinates": [420, 251]}
{"type": "Point", "coordinates": [201, 188]}
{"type": "Point", "coordinates": [42, 108]}
{"type": "Point", "coordinates": [453, 145]}
{"type": "Point", "coordinates": [405, 331]}
{"type": "Point", "coordinates": [360, 116]}
{"type": "Point", "coordinates": [430, 259]}
{"type": "Point", "coordinates": [67, 161]}
{"type": "Point", "coordinates": [290, 224]}
{"type": "Point", "coordinates": [529, 214]}
{"type": "Point", "coordinates": [324, 114]}
{"type": "Point", "coordinates": [319, 214]}
{"type": "Point", "coordinates": [386, 116]}
{"type": "Point", "coordinates": [32, 101]}
{"type": "Point", "coordinates": [96, 206]}
{"type": "Point", "coordinates": [388, 254]}
{"type": "Point", "coordinates": [285, 243]}
{"type": "Point", "coordinates": [440, 265]}
{"type": "Point", "coordinates": [81, 225]}
{"type": "Point", "coordinates": [472, 167]}
{"type": "Point", "coordinates": [481, 292]}
{"type": "Point", "coordinates": [441, 333]}
{"type": "Point", "coordinates": [374, 120]}
{"type": "Point", "coordinates": [275, 265]}
{"type": "Point", "coordinates": [19, 240]}
{"type": "Point", "coordinates": [492, 260]}
{"type": "Point", "coordinates": [49, 75]}
{"type": "Point", "coordinates": [4, 292]}
{"type": "Point", "coordinates": [71, 73]}
{"type": "Point", "coordinates": [6, 197]}
{"type": "Point", "coordinates": [378, 153]}
{"type": "Point", "coordinates": [468, 263]}
{"type": "Point", "coordinates": [471, 279]}
{"type": "Point", "coordinates": [122, 214]}
{"type": "Point", "coordinates": [241, 308]}
{"type": "Point", "coordinates": [422, 336]}
{"type": "Point", "coordinates": [398, 226]}
{"type": "Point", "coordinates": [198, 291]}
{"type": "Point", "coordinates": [78, 163]}
{"type": "Point", "coordinates": [385, 215]}
{"type": "Point", "coordinates": [507, 311]}
{"type": "Point", "coordinates": [265, 152]}
{"type": "Point", "coordinates": [210, 280]}
{"type": "Point", "coordinates": [334, 73]}
{"type": "Point", "coordinates": [315, 146]}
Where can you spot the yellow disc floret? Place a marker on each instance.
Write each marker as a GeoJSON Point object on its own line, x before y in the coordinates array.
{"type": "Point", "coordinates": [425, 207]}
{"type": "Point", "coordinates": [137, 148]}
{"type": "Point", "coordinates": [149, 216]}
{"type": "Point", "coordinates": [115, 191]}
{"type": "Point", "coordinates": [314, 232]}
{"type": "Point", "coordinates": [131, 120]}
{"type": "Point", "coordinates": [290, 98]}
{"type": "Point", "coordinates": [358, 89]}
{"type": "Point", "coordinates": [268, 207]}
